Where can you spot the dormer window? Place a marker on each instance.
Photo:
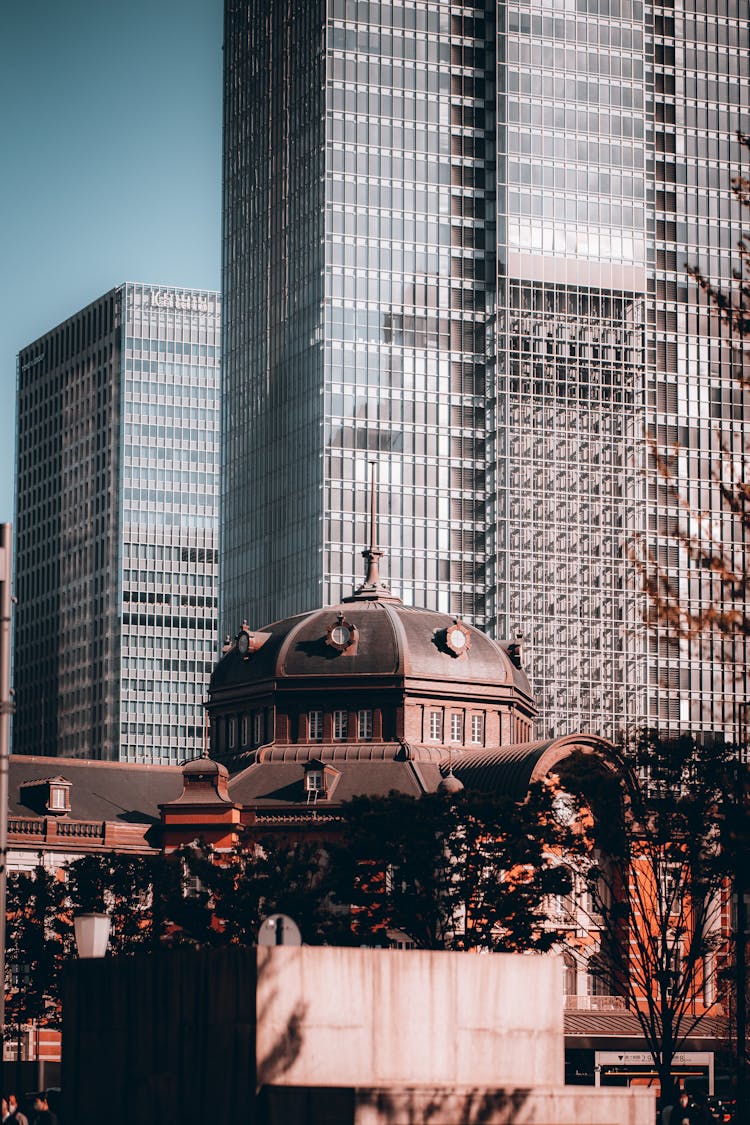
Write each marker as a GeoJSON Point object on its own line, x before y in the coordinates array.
{"type": "Point", "coordinates": [47, 796]}
{"type": "Point", "coordinates": [320, 780]}
{"type": "Point", "coordinates": [314, 782]}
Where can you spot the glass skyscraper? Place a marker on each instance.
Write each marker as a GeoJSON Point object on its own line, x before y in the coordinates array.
{"type": "Point", "coordinates": [116, 528]}
{"type": "Point", "coordinates": [455, 239]}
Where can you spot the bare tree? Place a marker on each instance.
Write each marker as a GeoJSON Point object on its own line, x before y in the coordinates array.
{"type": "Point", "coordinates": [714, 545]}
{"type": "Point", "coordinates": [657, 872]}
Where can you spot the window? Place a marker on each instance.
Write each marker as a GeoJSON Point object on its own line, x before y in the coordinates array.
{"type": "Point", "coordinates": [245, 730]}
{"type": "Point", "coordinates": [364, 724]}
{"type": "Point", "coordinates": [58, 798]}
{"type": "Point", "coordinates": [314, 781]}
{"type": "Point", "coordinates": [258, 728]}
{"type": "Point", "coordinates": [598, 978]}
{"type": "Point", "coordinates": [456, 728]}
{"type": "Point", "coordinates": [477, 729]}
{"type": "Point", "coordinates": [340, 724]}
{"type": "Point", "coordinates": [436, 725]}
{"type": "Point", "coordinates": [232, 733]}
{"type": "Point", "coordinates": [315, 726]}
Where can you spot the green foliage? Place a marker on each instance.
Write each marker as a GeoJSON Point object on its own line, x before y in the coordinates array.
{"type": "Point", "coordinates": [462, 872]}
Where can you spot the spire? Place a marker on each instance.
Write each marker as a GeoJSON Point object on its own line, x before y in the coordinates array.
{"type": "Point", "coordinates": [373, 586]}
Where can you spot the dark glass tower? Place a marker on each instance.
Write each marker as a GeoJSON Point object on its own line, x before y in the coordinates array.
{"type": "Point", "coordinates": [454, 243]}
{"type": "Point", "coordinates": [116, 528]}
{"type": "Point", "coordinates": [359, 232]}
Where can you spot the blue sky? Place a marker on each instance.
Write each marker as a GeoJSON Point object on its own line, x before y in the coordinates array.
{"type": "Point", "coordinates": [110, 127]}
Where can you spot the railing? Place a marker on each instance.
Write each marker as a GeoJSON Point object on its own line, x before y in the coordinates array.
{"type": "Point", "coordinates": [595, 1004]}
{"type": "Point", "coordinates": [90, 829]}
{"type": "Point", "coordinates": [26, 826]}
{"type": "Point", "coordinates": [51, 827]}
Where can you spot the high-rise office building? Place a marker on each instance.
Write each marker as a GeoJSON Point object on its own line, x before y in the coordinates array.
{"type": "Point", "coordinates": [454, 242]}
{"type": "Point", "coordinates": [116, 528]}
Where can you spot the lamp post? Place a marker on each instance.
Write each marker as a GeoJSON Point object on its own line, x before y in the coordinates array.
{"type": "Point", "coordinates": [92, 934]}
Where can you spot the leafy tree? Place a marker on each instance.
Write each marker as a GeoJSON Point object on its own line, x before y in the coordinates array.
{"type": "Point", "coordinates": [119, 885]}
{"type": "Point", "coordinates": [462, 872]}
{"type": "Point", "coordinates": [657, 873]}
{"type": "Point", "coordinates": [229, 894]}
{"type": "Point", "coordinates": [38, 940]}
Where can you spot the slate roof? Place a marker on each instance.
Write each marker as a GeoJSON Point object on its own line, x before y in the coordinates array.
{"type": "Point", "coordinates": [111, 791]}
{"type": "Point", "coordinates": [281, 784]}
{"type": "Point", "coordinates": [511, 769]}
{"type": "Point", "coordinates": [393, 641]}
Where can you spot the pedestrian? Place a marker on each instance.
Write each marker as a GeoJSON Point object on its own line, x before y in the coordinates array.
{"type": "Point", "coordinates": [44, 1115]}
{"type": "Point", "coordinates": [15, 1117]}
{"type": "Point", "coordinates": [686, 1111]}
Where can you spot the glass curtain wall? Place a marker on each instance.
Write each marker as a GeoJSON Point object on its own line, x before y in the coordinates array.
{"type": "Point", "coordinates": [116, 514]}
{"type": "Point", "coordinates": [569, 351]}
{"type": "Point", "coordinates": [699, 82]}
{"type": "Point", "coordinates": [168, 519]}
{"type": "Point", "coordinates": [273, 256]}
{"type": "Point", "coordinates": [409, 254]}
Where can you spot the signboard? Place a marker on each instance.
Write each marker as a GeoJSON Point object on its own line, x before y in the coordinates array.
{"type": "Point", "coordinates": [645, 1058]}
{"type": "Point", "coordinates": [637, 1066]}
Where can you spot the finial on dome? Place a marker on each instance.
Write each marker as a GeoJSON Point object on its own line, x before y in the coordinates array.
{"type": "Point", "coordinates": [373, 585]}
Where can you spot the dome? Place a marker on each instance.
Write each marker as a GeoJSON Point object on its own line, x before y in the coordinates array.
{"type": "Point", "coordinates": [450, 785]}
{"type": "Point", "coordinates": [367, 676]}
{"type": "Point", "coordinates": [370, 637]}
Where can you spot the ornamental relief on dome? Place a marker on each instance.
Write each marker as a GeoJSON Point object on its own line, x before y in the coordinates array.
{"type": "Point", "coordinates": [343, 636]}
{"type": "Point", "coordinates": [455, 639]}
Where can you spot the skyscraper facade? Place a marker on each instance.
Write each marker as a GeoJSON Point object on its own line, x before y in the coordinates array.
{"type": "Point", "coordinates": [116, 528]}
{"type": "Point", "coordinates": [455, 239]}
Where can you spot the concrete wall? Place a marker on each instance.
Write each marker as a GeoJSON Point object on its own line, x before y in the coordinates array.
{"type": "Point", "coordinates": [362, 1017]}
{"type": "Point", "coordinates": [570, 1105]}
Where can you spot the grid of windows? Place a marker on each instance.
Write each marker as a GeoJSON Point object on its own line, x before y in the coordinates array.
{"type": "Point", "coordinates": [569, 379]}
{"type": "Point", "coordinates": [397, 138]}
{"type": "Point", "coordinates": [494, 305]}
{"type": "Point", "coordinates": [116, 550]}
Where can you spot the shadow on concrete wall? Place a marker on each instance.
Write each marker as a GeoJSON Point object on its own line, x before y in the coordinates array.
{"type": "Point", "coordinates": [409, 1106]}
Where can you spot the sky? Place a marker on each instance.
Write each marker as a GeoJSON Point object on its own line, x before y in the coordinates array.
{"type": "Point", "coordinates": [110, 148]}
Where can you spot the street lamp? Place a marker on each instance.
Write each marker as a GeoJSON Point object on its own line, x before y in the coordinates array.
{"type": "Point", "coordinates": [92, 934]}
